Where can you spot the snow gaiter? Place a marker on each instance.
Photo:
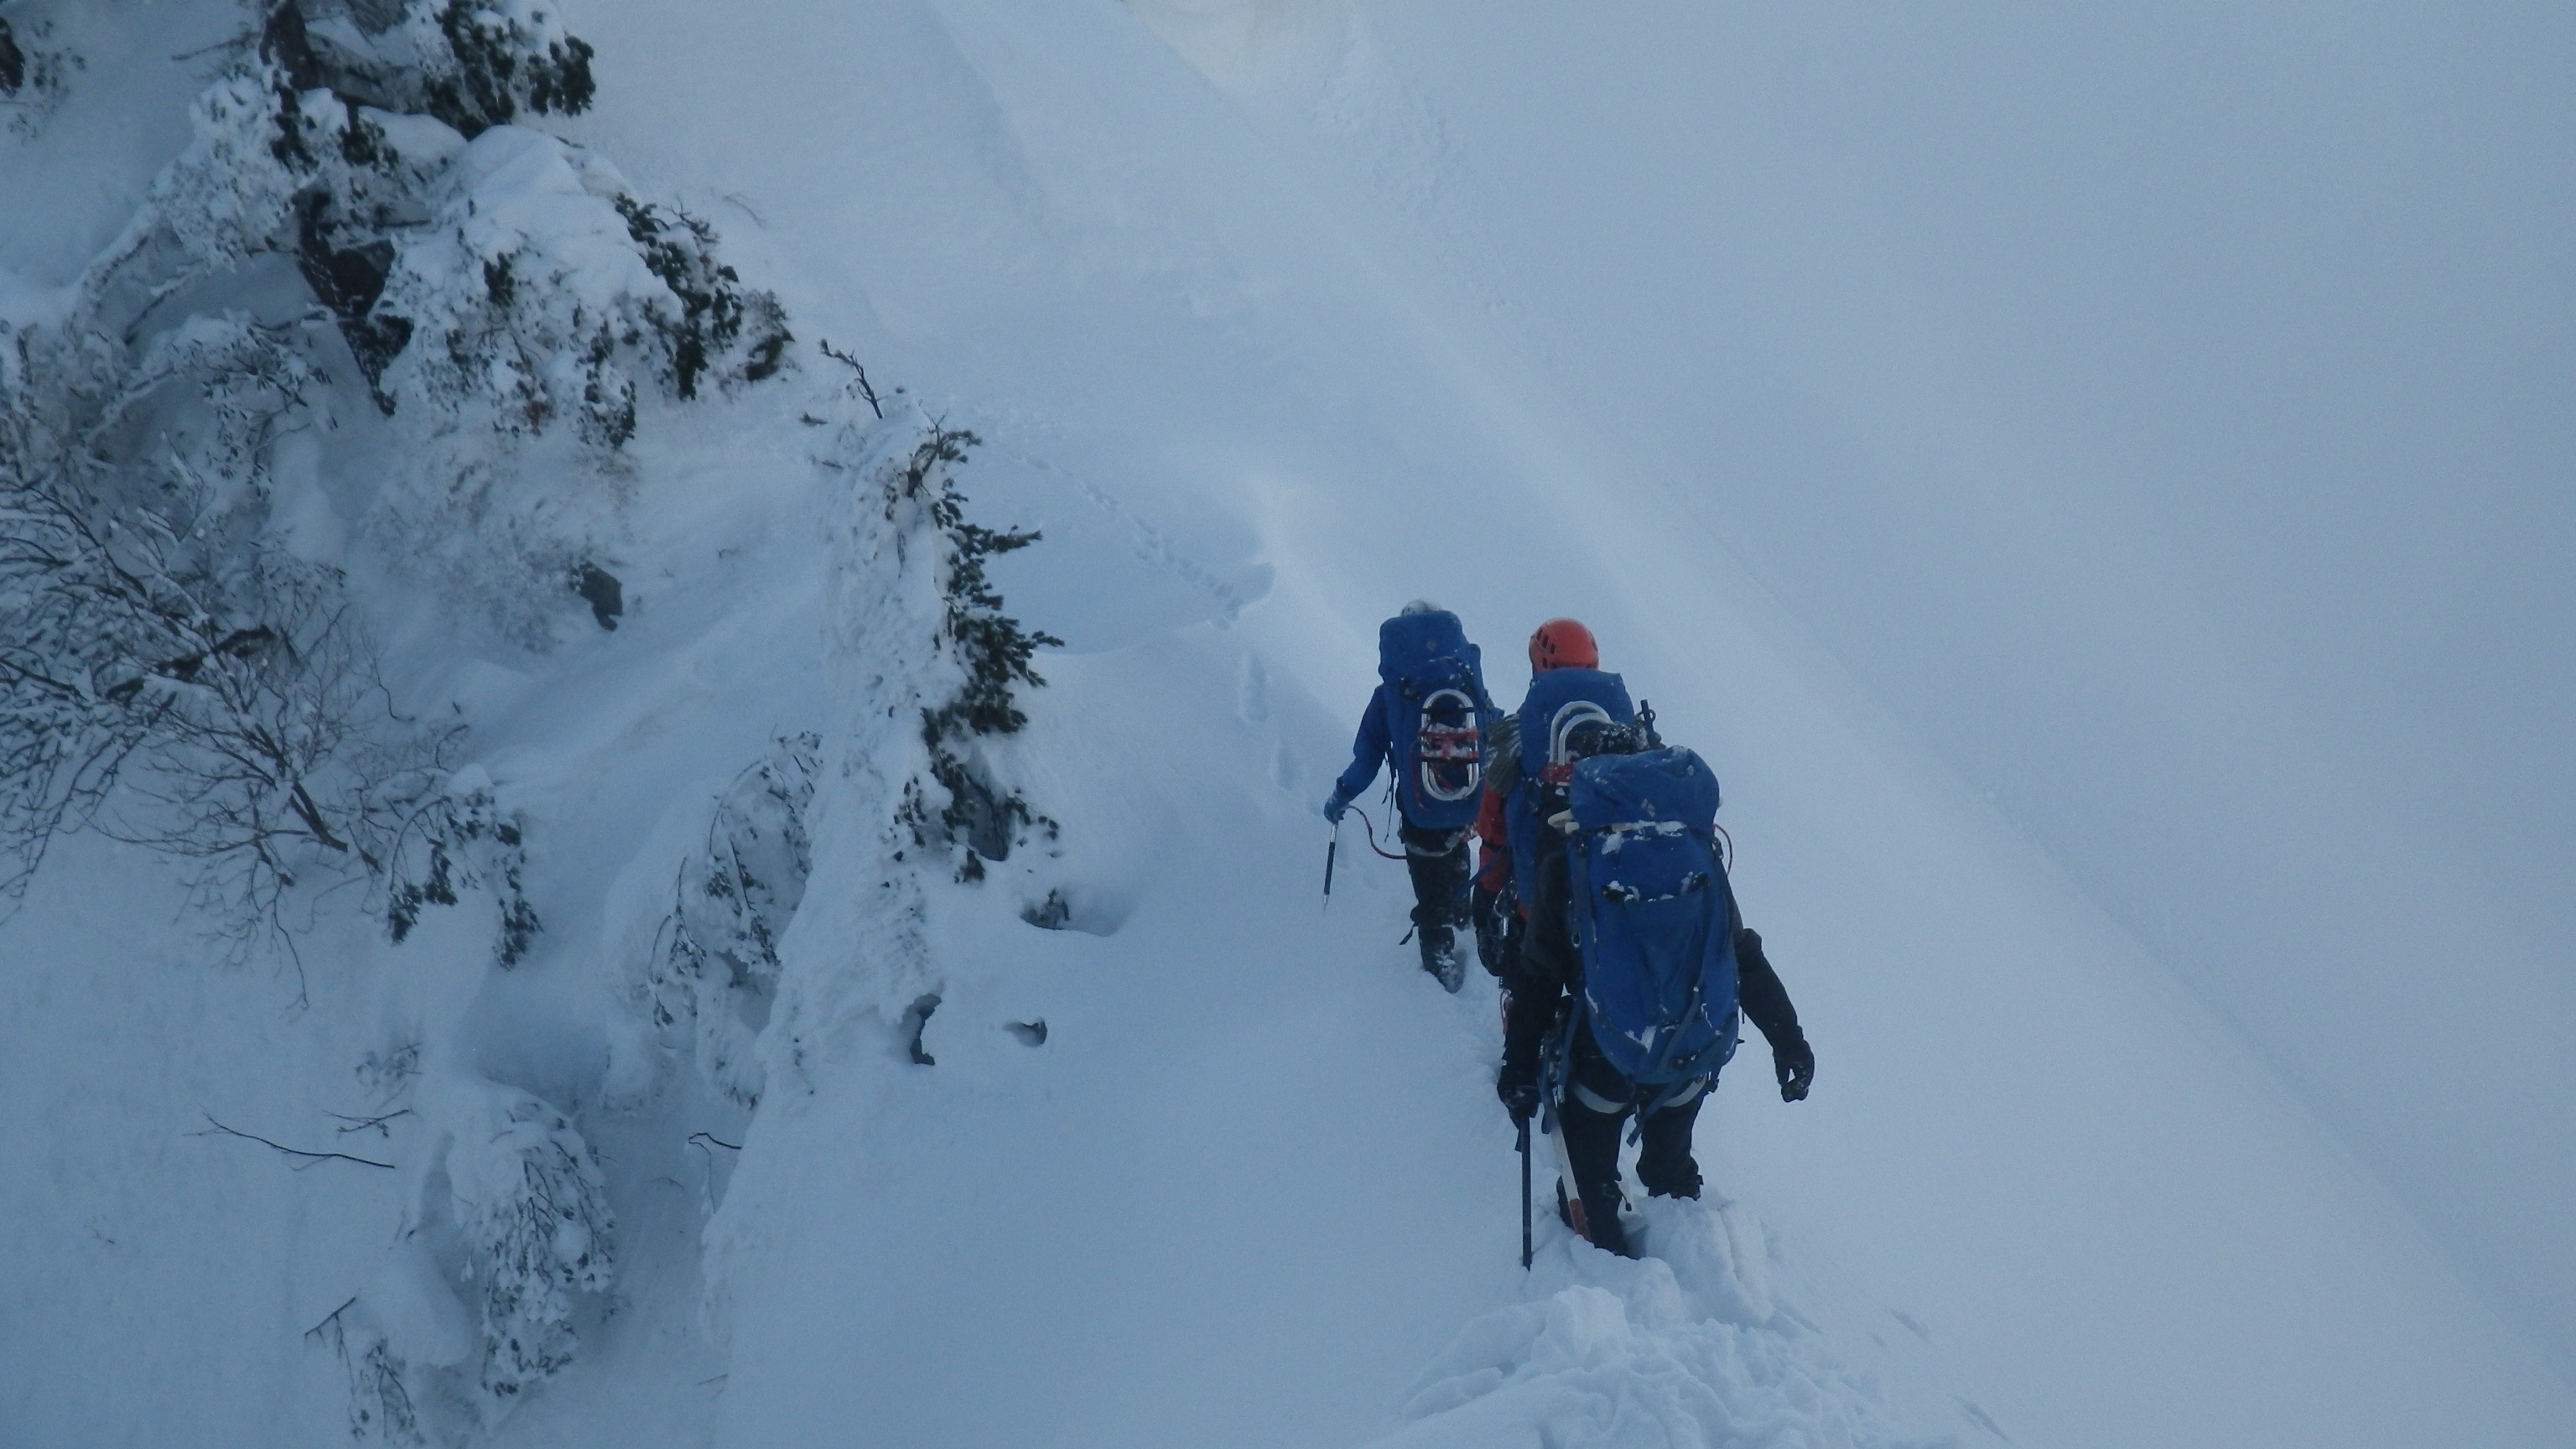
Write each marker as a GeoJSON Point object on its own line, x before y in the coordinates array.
{"type": "Point", "coordinates": [1592, 1149]}
{"type": "Point", "coordinates": [1664, 1161]}
{"type": "Point", "coordinates": [1437, 861]}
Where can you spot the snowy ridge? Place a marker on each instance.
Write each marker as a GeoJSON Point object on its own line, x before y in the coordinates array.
{"type": "Point", "coordinates": [794, 1049]}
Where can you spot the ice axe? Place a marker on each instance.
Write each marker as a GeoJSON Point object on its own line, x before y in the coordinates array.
{"type": "Point", "coordinates": [1525, 1194]}
{"type": "Point", "coordinates": [1331, 847]}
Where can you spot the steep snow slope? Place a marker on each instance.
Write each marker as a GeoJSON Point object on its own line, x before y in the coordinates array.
{"type": "Point", "coordinates": [2165, 415]}
{"type": "Point", "coordinates": [1097, 246]}
{"type": "Point", "coordinates": [1251, 1187]}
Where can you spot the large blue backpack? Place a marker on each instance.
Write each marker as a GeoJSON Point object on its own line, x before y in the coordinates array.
{"type": "Point", "coordinates": [1654, 917]}
{"type": "Point", "coordinates": [1436, 713]}
{"type": "Point", "coordinates": [1559, 703]}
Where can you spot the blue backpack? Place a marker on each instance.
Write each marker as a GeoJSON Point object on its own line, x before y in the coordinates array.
{"type": "Point", "coordinates": [1654, 917]}
{"type": "Point", "coordinates": [1436, 713]}
{"type": "Point", "coordinates": [1560, 703]}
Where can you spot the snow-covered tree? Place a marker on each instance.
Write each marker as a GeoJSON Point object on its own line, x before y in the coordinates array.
{"type": "Point", "coordinates": [368, 254]}
{"type": "Point", "coordinates": [714, 967]}
{"type": "Point", "coordinates": [989, 652]}
{"type": "Point", "coordinates": [926, 670]}
{"type": "Point", "coordinates": [508, 1246]}
{"type": "Point", "coordinates": [153, 636]}
{"type": "Point", "coordinates": [175, 669]}
{"type": "Point", "coordinates": [531, 1204]}
{"type": "Point", "coordinates": [931, 668]}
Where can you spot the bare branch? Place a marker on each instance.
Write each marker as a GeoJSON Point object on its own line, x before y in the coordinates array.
{"type": "Point", "coordinates": [310, 1157]}
{"type": "Point", "coordinates": [361, 1124]}
{"type": "Point", "coordinates": [331, 1318]}
{"type": "Point", "coordinates": [861, 386]}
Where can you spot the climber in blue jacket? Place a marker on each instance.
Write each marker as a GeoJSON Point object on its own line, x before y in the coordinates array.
{"type": "Point", "coordinates": [1426, 723]}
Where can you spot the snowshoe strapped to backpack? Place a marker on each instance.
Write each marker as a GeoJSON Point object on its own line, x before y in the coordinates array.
{"type": "Point", "coordinates": [1560, 702]}
{"type": "Point", "coordinates": [1436, 717]}
{"type": "Point", "coordinates": [1560, 706]}
{"type": "Point", "coordinates": [1654, 918]}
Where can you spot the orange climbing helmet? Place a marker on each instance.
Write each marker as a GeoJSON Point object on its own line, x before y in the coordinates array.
{"type": "Point", "coordinates": [1563, 644]}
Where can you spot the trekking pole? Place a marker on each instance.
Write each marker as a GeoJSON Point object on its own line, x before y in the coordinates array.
{"type": "Point", "coordinates": [1525, 1193]}
{"type": "Point", "coordinates": [1330, 847]}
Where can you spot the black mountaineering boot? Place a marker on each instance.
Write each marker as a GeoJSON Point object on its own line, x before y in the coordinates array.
{"type": "Point", "coordinates": [1437, 862]}
{"type": "Point", "coordinates": [1440, 957]}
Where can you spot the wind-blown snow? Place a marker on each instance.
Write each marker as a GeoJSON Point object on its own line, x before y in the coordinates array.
{"type": "Point", "coordinates": [1272, 316]}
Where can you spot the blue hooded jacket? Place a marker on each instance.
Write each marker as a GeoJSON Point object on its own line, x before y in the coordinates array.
{"type": "Point", "coordinates": [1423, 656]}
{"type": "Point", "coordinates": [1548, 696]}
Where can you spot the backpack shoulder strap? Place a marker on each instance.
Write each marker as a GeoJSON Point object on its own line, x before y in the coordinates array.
{"type": "Point", "coordinates": [1503, 754]}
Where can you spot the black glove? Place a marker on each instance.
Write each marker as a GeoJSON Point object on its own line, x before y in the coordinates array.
{"type": "Point", "coordinates": [1794, 1062]}
{"type": "Point", "coordinates": [1517, 1082]}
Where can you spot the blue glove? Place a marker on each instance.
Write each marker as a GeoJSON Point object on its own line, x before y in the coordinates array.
{"type": "Point", "coordinates": [1334, 807]}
